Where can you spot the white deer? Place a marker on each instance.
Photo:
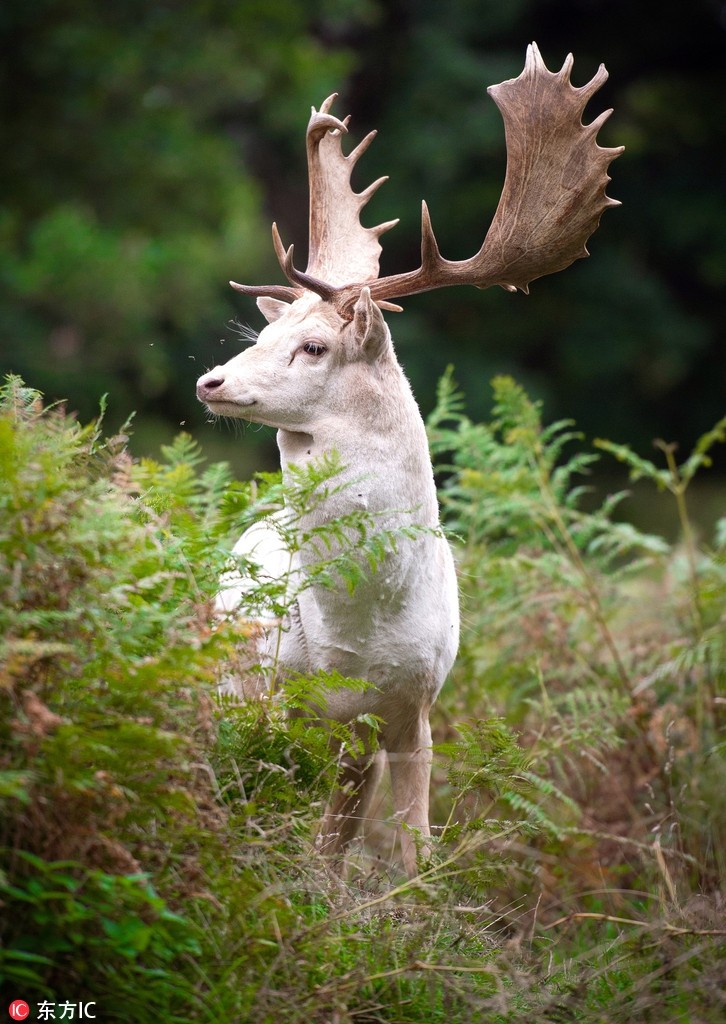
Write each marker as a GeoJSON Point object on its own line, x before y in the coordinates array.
{"type": "Point", "coordinates": [324, 373]}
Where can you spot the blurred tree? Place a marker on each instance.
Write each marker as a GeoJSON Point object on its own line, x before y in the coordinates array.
{"type": "Point", "coordinates": [150, 145]}
{"type": "Point", "coordinates": [125, 198]}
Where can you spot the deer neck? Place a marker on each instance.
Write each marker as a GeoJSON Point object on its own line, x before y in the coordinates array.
{"type": "Point", "coordinates": [381, 441]}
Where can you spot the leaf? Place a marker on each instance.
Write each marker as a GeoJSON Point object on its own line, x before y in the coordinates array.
{"type": "Point", "coordinates": [639, 467]}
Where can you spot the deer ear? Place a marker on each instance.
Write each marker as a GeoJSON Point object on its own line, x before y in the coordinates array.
{"type": "Point", "coordinates": [272, 309]}
{"type": "Point", "coordinates": [369, 328]}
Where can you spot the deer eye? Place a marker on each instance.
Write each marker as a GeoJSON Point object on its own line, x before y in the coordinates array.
{"type": "Point", "coordinates": [314, 348]}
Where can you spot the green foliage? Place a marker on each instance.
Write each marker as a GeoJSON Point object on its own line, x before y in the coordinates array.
{"type": "Point", "coordinates": [100, 926]}
{"type": "Point", "coordinates": [157, 844]}
{"type": "Point", "coordinates": [596, 650]}
{"type": "Point", "coordinates": [127, 202]}
{"type": "Point", "coordinates": [348, 547]}
{"type": "Point", "coordinates": [546, 577]}
{"type": "Point", "coordinates": [103, 667]}
{"type": "Point", "coordinates": [270, 754]}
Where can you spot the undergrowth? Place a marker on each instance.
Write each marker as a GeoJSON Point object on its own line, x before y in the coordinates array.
{"type": "Point", "coordinates": [157, 842]}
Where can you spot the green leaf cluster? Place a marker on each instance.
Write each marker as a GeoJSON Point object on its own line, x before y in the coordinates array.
{"type": "Point", "coordinates": [149, 833]}
{"type": "Point", "coordinates": [602, 646]}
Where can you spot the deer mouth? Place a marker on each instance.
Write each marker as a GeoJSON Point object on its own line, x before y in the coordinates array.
{"type": "Point", "coordinates": [226, 407]}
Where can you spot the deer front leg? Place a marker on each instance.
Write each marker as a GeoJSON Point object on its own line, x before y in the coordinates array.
{"type": "Point", "coordinates": [409, 757]}
{"type": "Point", "coordinates": [349, 807]}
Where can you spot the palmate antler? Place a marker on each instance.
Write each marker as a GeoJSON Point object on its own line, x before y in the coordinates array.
{"type": "Point", "coordinates": [552, 201]}
{"type": "Point", "coordinates": [340, 249]}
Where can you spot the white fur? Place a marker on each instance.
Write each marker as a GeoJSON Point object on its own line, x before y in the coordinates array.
{"type": "Point", "coordinates": [261, 545]}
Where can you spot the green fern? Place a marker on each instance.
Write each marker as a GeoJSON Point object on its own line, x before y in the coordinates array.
{"type": "Point", "coordinates": [156, 846]}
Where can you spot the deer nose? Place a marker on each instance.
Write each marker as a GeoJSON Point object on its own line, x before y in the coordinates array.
{"type": "Point", "coordinates": [208, 384]}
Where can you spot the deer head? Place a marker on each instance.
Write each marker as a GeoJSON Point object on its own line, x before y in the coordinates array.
{"type": "Point", "coordinates": [326, 332]}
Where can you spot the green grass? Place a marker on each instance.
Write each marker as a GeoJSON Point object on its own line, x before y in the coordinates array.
{"type": "Point", "coordinates": [157, 845]}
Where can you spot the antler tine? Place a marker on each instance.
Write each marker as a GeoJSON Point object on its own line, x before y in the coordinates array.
{"type": "Point", "coordinates": [430, 253]}
{"type": "Point", "coordinates": [327, 103]}
{"type": "Point", "coordinates": [380, 229]}
{"type": "Point", "coordinates": [371, 190]}
{"type": "Point", "coordinates": [304, 282]}
{"type": "Point", "coordinates": [301, 282]}
{"type": "Point", "coordinates": [355, 154]}
{"type": "Point", "coordinates": [320, 123]}
{"type": "Point", "coordinates": [272, 291]}
{"type": "Point", "coordinates": [567, 64]}
{"type": "Point", "coordinates": [590, 88]}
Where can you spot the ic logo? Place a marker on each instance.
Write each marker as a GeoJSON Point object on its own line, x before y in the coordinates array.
{"type": "Point", "coordinates": [19, 1009]}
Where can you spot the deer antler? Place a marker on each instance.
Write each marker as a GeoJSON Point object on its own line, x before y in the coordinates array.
{"type": "Point", "coordinates": [553, 196]}
{"type": "Point", "coordinates": [341, 249]}
{"type": "Point", "coordinates": [552, 201]}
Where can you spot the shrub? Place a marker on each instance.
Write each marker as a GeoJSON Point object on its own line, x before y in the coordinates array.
{"type": "Point", "coordinates": [156, 841]}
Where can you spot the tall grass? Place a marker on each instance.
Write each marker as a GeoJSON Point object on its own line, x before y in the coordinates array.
{"type": "Point", "coordinates": [157, 843]}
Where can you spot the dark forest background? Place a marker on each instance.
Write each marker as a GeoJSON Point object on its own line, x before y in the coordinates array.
{"type": "Point", "coordinates": [148, 145]}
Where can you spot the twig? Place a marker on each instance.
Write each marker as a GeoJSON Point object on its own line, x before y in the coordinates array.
{"type": "Point", "coordinates": [670, 928]}
{"type": "Point", "coordinates": [353, 980]}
